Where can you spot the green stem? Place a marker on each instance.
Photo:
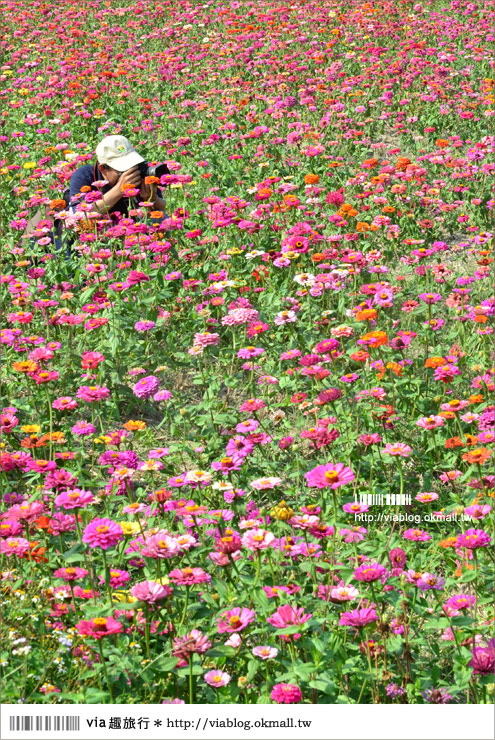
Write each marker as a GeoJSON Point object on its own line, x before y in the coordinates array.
{"type": "Point", "coordinates": [100, 647]}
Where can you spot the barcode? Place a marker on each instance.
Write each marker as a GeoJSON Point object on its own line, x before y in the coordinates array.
{"type": "Point", "coordinates": [390, 499]}
{"type": "Point", "coordinates": [62, 723]}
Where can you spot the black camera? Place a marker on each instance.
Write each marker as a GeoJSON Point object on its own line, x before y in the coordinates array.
{"type": "Point", "coordinates": [146, 170]}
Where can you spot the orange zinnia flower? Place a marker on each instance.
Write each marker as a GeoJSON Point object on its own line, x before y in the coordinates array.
{"type": "Point", "coordinates": [134, 426]}
{"type": "Point", "coordinates": [471, 440]}
{"type": "Point", "coordinates": [375, 338]}
{"type": "Point", "coordinates": [360, 356]}
{"type": "Point", "coordinates": [447, 414]}
{"type": "Point", "coordinates": [151, 180]}
{"type": "Point", "coordinates": [454, 442]}
{"type": "Point", "coordinates": [58, 204]}
{"type": "Point", "coordinates": [449, 542]}
{"type": "Point", "coordinates": [478, 456]}
{"type": "Point", "coordinates": [369, 314]}
{"type": "Point", "coordinates": [435, 362]}
{"type": "Point", "coordinates": [402, 163]}
{"type": "Point", "coordinates": [311, 179]}
{"type": "Point", "coordinates": [25, 366]}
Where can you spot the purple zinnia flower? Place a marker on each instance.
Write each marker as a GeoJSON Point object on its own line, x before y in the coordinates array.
{"type": "Point", "coordinates": [146, 387]}
{"type": "Point", "coordinates": [436, 696]}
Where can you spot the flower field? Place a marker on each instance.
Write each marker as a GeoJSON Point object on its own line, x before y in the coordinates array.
{"type": "Point", "coordinates": [246, 451]}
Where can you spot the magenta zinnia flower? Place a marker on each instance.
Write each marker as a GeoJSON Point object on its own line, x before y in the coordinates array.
{"type": "Point", "coordinates": [416, 535]}
{"type": "Point", "coordinates": [286, 693]}
{"type": "Point", "coordinates": [358, 617]}
{"type": "Point", "coordinates": [99, 627]}
{"type": "Point", "coordinates": [369, 572]}
{"type": "Point", "coordinates": [483, 660]}
{"type": "Point", "coordinates": [74, 499]}
{"type": "Point", "coordinates": [473, 538]}
{"type": "Point", "coordinates": [329, 476]}
{"type": "Point", "coordinates": [146, 387]}
{"type": "Point", "coordinates": [103, 533]}
{"type": "Point", "coordinates": [235, 619]}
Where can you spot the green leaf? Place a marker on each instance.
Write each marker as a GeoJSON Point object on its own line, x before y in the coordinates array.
{"type": "Point", "coordinates": [165, 665]}
{"type": "Point", "coordinates": [74, 555]}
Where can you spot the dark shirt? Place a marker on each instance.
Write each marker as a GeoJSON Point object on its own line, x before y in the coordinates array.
{"type": "Point", "coordinates": [85, 176]}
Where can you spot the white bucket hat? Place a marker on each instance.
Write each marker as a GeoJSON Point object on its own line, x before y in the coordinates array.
{"type": "Point", "coordinates": [117, 152]}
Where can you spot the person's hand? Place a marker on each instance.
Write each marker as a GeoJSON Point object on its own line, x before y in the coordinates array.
{"type": "Point", "coordinates": [132, 177]}
{"type": "Point", "coordinates": [145, 191]}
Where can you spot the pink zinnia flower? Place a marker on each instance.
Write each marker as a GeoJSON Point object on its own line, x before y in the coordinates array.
{"type": "Point", "coordinates": [426, 497]}
{"type": "Point", "coordinates": [477, 511]}
{"type": "Point", "coordinates": [430, 422]}
{"type": "Point", "coordinates": [355, 534]}
{"type": "Point", "coordinates": [429, 582]}
{"type": "Point", "coordinates": [265, 652]}
{"type": "Point", "coordinates": [14, 546]}
{"type": "Point", "coordinates": [288, 615]}
{"type": "Point", "coordinates": [483, 660]}
{"type": "Point", "coordinates": [71, 574]}
{"type": "Point", "coordinates": [93, 393]}
{"type": "Point", "coordinates": [258, 539]}
{"type": "Point", "coordinates": [192, 642]}
{"type": "Point", "coordinates": [253, 404]}
{"type": "Point", "coordinates": [99, 627]}
{"type": "Point", "coordinates": [263, 484]}
{"type": "Point", "coordinates": [460, 601]}
{"type": "Point", "coordinates": [358, 617]}
{"type": "Point", "coordinates": [355, 508]}
{"type": "Point", "coordinates": [65, 403]}
{"type": "Point", "coordinates": [118, 578]}
{"type": "Point", "coordinates": [160, 545]}
{"type": "Point", "coordinates": [286, 693]}
{"type": "Point", "coordinates": [397, 449]}
{"type": "Point", "coordinates": [162, 395]}
{"type": "Point", "coordinates": [103, 533]}
{"type": "Point", "coordinates": [217, 679]}
{"type": "Point", "coordinates": [189, 576]}
{"type": "Point", "coordinates": [206, 338]}
{"type": "Point", "coordinates": [416, 535]}
{"type": "Point", "coordinates": [235, 619]}
{"type": "Point", "coordinates": [83, 429]}
{"type": "Point", "coordinates": [74, 499]}
{"type": "Point", "coordinates": [150, 591]}
{"type": "Point", "coordinates": [329, 476]}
